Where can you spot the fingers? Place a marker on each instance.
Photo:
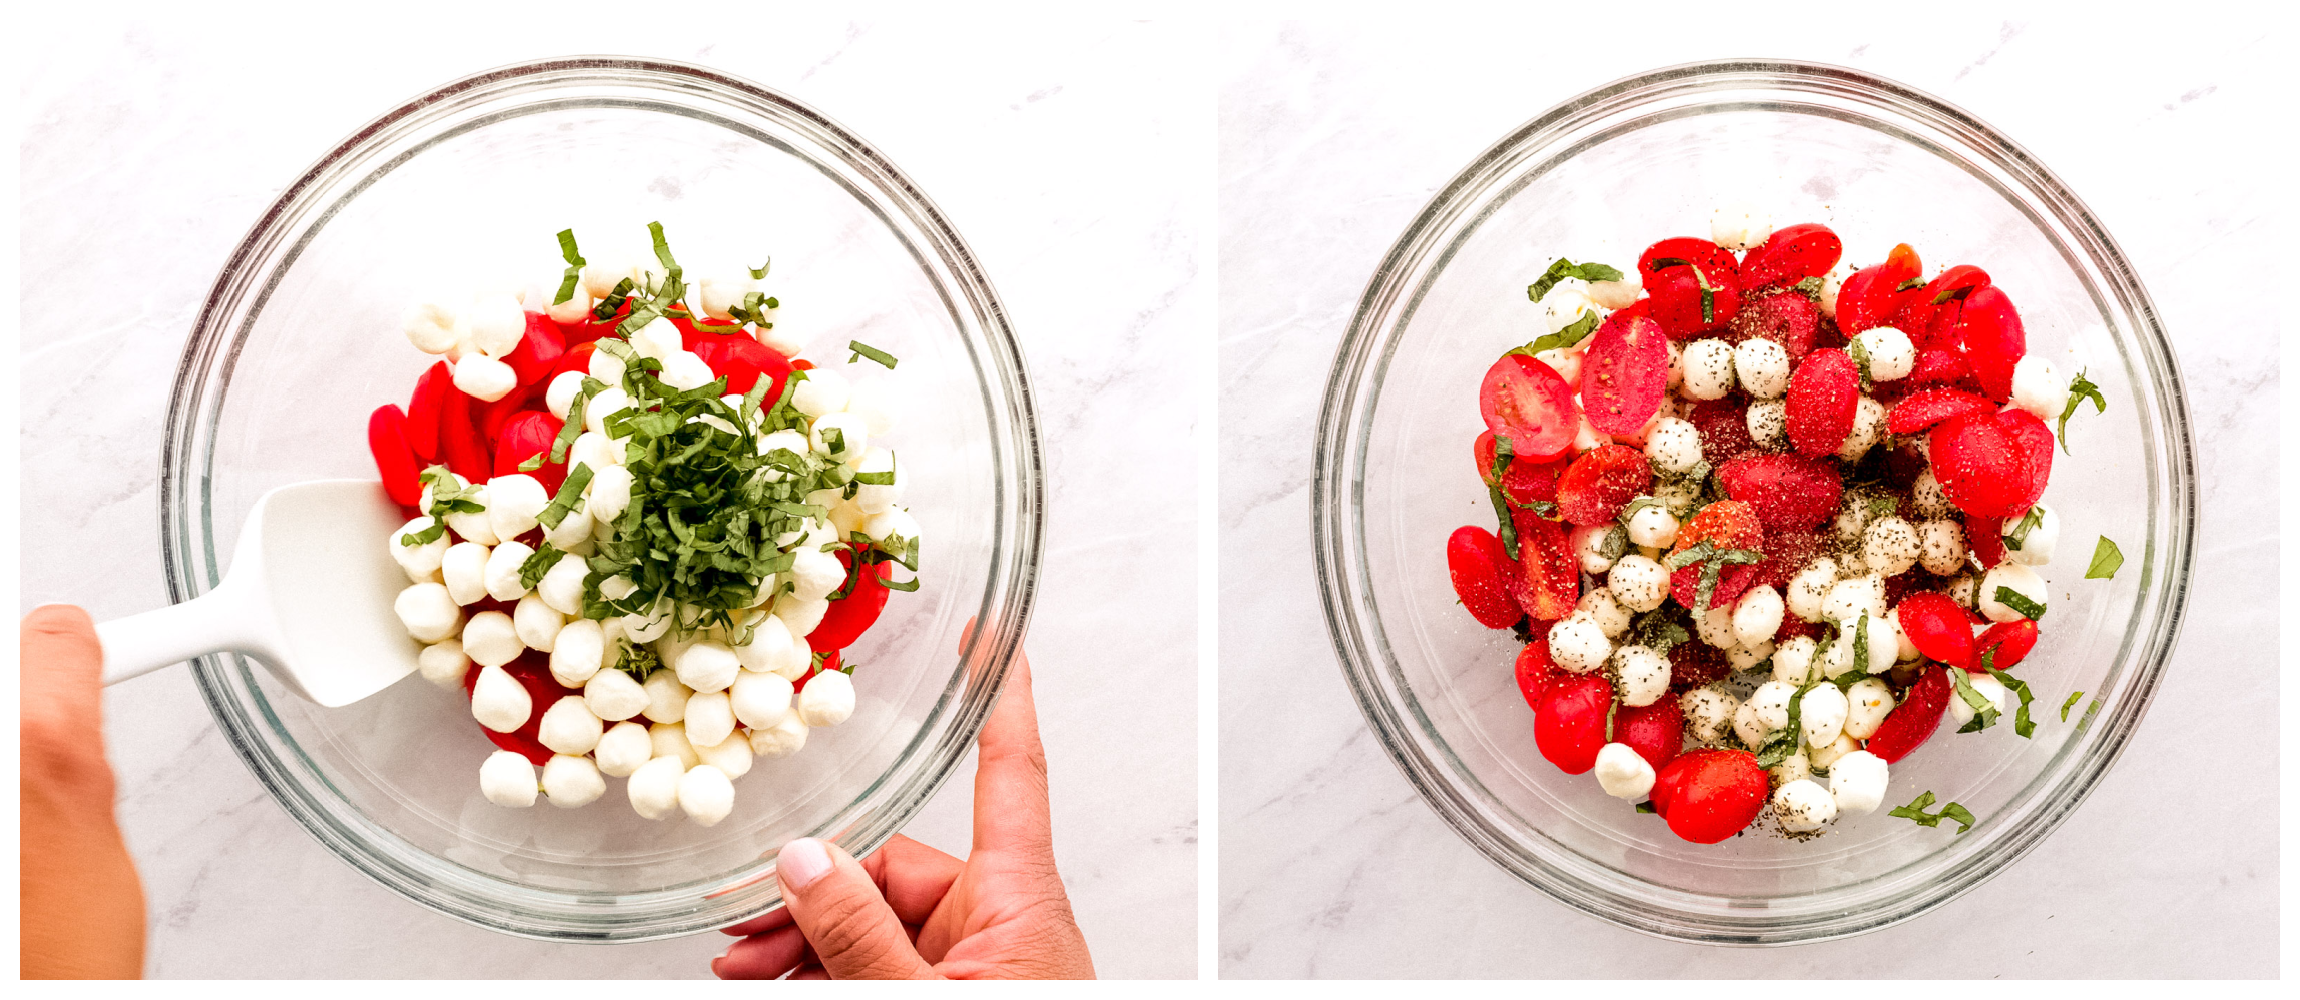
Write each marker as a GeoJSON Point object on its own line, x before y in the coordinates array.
{"type": "Point", "coordinates": [912, 876]}
{"type": "Point", "coordinates": [836, 905]}
{"type": "Point", "coordinates": [765, 956]}
{"type": "Point", "coordinates": [63, 671]}
{"type": "Point", "coordinates": [1010, 808]}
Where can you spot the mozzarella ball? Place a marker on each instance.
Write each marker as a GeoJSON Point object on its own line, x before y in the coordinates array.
{"type": "Point", "coordinates": [491, 640]}
{"type": "Point", "coordinates": [595, 450]}
{"type": "Point", "coordinates": [1642, 675]}
{"type": "Point", "coordinates": [561, 588]}
{"type": "Point", "coordinates": [707, 666]}
{"type": "Point", "coordinates": [1928, 499]}
{"type": "Point", "coordinates": [654, 787]}
{"type": "Point", "coordinates": [463, 570]}
{"type": "Point", "coordinates": [1803, 806]}
{"type": "Point", "coordinates": [624, 749]}
{"type": "Point", "coordinates": [536, 623]}
{"type": "Point", "coordinates": [2038, 388]}
{"type": "Point", "coordinates": [1601, 607]}
{"type": "Point", "coordinates": [892, 524]}
{"type": "Point", "coordinates": [612, 695]}
{"type": "Point", "coordinates": [651, 624]}
{"type": "Point", "coordinates": [1565, 302]}
{"type": "Point", "coordinates": [494, 324]}
{"type": "Point", "coordinates": [732, 756]}
{"type": "Point", "coordinates": [1768, 421]}
{"type": "Point", "coordinates": [1653, 527]}
{"type": "Point", "coordinates": [1740, 225]}
{"type": "Point", "coordinates": [1832, 283]}
{"type": "Point", "coordinates": [1868, 429]}
{"type": "Point", "coordinates": [1883, 640]}
{"type": "Point", "coordinates": [1708, 369]}
{"type": "Point", "coordinates": [1984, 685]}
{"type": "Point", "coordinates": [507, 779]}
{"type": "Point", "coordinates": [430, 327]}
{"type": "Point", "coordinates": [499, 701]}
{"type": "Point", "coordinates": [444, 664]}
{"type": "Point", "coordinates": [1849, 599]}
{"type": "Point", "coordinates": [559, 396]}
{"type": "Point", "coordinates": [1857, 781]}
{"type": "Point", "coordinates": [1770, 702]}
{"type": "Point", "coordinates": [572, 534]}
{"type": "Point", "coordinates": [1758, 615]}
{"type": "Point", "coordinates": [1827, 756]}
{"type": "Point", "coordinates": [815, 573]}
{"type": "Point", "coordinates": [708, 718]}
{"type": "Point", "coordinates": [770, 650]}
{"type": "Point", "coordinates": [1617, 294]}
{"type": "Point", "coordinates": [570, 727]}
{"type": "Point", "coordinates": [1589, 546]}
{"type": "Point", "coordinates": [1709, 712]}
{"type": "Point", "coordinates": [1748, 657]}
{"type": "Point", "coordinates": [759, 701]}
{"type": "Point", "coordinates": [1565, 361]}
{"type": "Point", "coordinates": [1869, 701]}
{"type": "Point", "coordinates": [1577, 644]}
{"type": "Point", "coordinates": [658, 339]}
{"type": "Point", "coordinates": [572, 781]}
{"type": "Point", "coordinates": [2021, 579]}
{"type": "Point", "coordinates": [666, 697]}
{"type": "Point", "coordinates": [606, 368]}
{"type": "Point", "coordinates": [824, 391]}
{"type": "Point", "coordinates": [1890, 546]}
{"type": "Point", "coordinates": [578, 650]}
{"type": "Point", "coordinates": [1715, 627]}
{"type": "Point", "coordinates": [800, 614]}
{"type": "Point", "coordinates": [670, 740]}
{"type": "Point", "coordinates": [421, 562]}
{"type": "Point", "coordinates": [871, 498]}
{"type": "Point", "coordinates": [1793, 660]}
{"type": "Point", "coordinates": [1763, 367]}
{"type": "Point", "coordinates": [1837, 660]}
{"type": "Point", "coordinates": [1674, 447]}
{"type": "Point", "coordinates": [484, 378]}
{"type": "Point", "coordinates": [2036, 548]}
{"type": "Point", "coordinates": [1639, 583]}
{"type": "Point", "coordinates": [610, 493]}
{"type": "Point", "coordinates": [1623, 772]}
{"type": "Point", "coordinates": [1810, 588]}
{"type": "Point", "coordinates": [705, 794]}
{"type": "Point", "coordinates": [1903, 649]}
{"type": "Point", "coordinates": [1941, 546]}
{"type": "Point", "coordinates": [1795, 767]}
{"type": "Point", "coordinates": [428, 611]}
{"type": "Point", "coordinates": [603, 404]}
{"type": "Point", "coordinates": [501, 572]}
{"type": "Point", "coordinates": [838, 437]}
{"type": "Point", "coordinates": [1822, 713]}
{"type": "Point", "coordinates": [878, 401]}
{"type": "Point", "coordinates": [781, 739]}
{"type": "Point", "coordinates": [827, 700]}
{"type": "Point", "coordinates": [716, 295]}
{"type": "Point", "coordinates": [513, 502]}
{"type": "Point", "coordinates": [682, 370]}
{"type": "Point", "coordinates": [1748, 728]}
{"type": "Point", "coordinates": [1891, 355]}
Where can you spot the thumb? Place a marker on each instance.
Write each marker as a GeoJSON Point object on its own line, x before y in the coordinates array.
{"type": "Point", "coordinates": [839, 910]}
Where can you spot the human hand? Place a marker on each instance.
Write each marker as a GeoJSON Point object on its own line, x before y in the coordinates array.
{"type": "Point", "coordinates": [912, 912]}
{"type": "Point", "coordinates": [83, 907]}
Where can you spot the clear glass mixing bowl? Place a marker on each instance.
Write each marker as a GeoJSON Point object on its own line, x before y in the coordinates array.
{"type": "Point", "coordinates": [299, 340]}
{"type": "Point", "coordinates": [1599, 178]}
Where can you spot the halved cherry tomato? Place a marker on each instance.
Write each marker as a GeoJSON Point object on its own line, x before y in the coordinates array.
{"type": "Point", "coordinates": [1940, 298]}
{"type": "Point", "coordinates": [1707, 795]}
{"type": "Point", "coordinates": [2010, 642]}
{"type": "Point", "coordinates": [1914, 719]}
{"type": "Point", "coordinates": [466, 451]}
{"type": "Point", "coordinates": [1484, 576]}
{"type": "Point", "coordinates": [1524, 400]}
{"type": "Point", "coordinates": [1874, 295]}
{"type": "Point", "coordinates": [1791, 254]}
{"type": "Point", "coordinates": [1989, 328]}
{"type": "Point", "coordinates": [850, 615]}
{"type": "Point", "coordinates": [1548, 581]}
{"type": "Point", "coordinates": [1525, 481]}
{"type": "Point", "coordinates": [1690, 299]}
{"type": "Point", "coordinates": [1625, 375]}
{"type": "Point", "coordinates": [526, 435]}
{"type": "Point", "coordinates": [1655, 731]}
{"type": "Point", "coordinates": [538, 351]}
{"type": "Point", "coordinates": [1536, 671]}
{"type": "Point", "coordinates": [587, 330]}
{"type": "Point", "coordinates": [424, 407]}
{"type": "Point", "coordinates": [1937, 627]}
{"type": "Point", "coordinates": [1982, 467]}
{"type": "Point", "coordinates": [577, 359]}
{"type": "Point", "coordinates": [387, 440]}
{"type": "Point", "coordinates": [1984, 536]}
{"type": "Point", "coordinates": [1569, 724]}
{"type": "Point", "coordinates": [1690, 249]}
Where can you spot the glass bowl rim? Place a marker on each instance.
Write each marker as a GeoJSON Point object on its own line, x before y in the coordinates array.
{"type": "Point", "coordinates": [1361, 358]}
{"type": "Point", "coordinates": [240, 291]}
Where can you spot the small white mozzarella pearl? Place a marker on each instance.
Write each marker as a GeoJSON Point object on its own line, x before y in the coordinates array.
{"type": "Point", "coordinates": [781, 739]}
{"type": "Point", "coordinates": [1653, 528]}
{"type": "Point", "coordinates": [596, 450]}
{"type": "Point", "coordinates": [501, 572]}
{"type": "Point", "coordinates": [1588, 543]}
{"type": "Point", "coordinates": [1747, 728]}
{"type": "Point", "coordinates": [572, 533]}
{"type": "Point", "coordinates": [1941, 546]}
{"type": "Point", "coordinates": [871, 498]}
{"type": "Point", "coordinates": [1642, 675]}
{"type": "Point", "coordinates": [1984, 685]}
{"type": "Point", "coordinates": [512, 504]}
{"type": "Point", "coordinates": [1748, 657]}
{"type": "Point", "coordinates": [718, 294]}
{"type": "Point", "coordinates": [1829, 755]}
{"type": "Point", "coordinates": [891, 524]}
{"type": "Point", "coordinates": [1795, 767]}
{"type": "Point", "coordinates": [560, 394]}
{"type": "Point", "coordinates": [1884, 642]}
{"type": "Point", "coordinates": [649, 625]}
{"type": "Point", "coordinates": [769, 648]}
{"type": "Point", "coordinates": [572, 782]}
{"type": "Point", "coordinates": [484, 378]}
{"type": "Point", "coordinates": [844, 430]}
{"type": "Point", "coordinates": [705, 794]}
{"type": "Point", "coordinates": [1803, 806]}
{"type": "Point", "coordinates": [574, 310]}
{"type": "Point", "coordinates": [605, 403]}
{"type": "Point", "coordinates": [1927, 497]}
{"type": "Point", "coordinates": [1715, 627]}
{"type": "Point", "coordinates": [670, 740]}
{"type": "Point", "coordinates": [1763, 367]}
{"type": "Point", "coordinates": [1674, 447]}
{"type": "Point", "coordinates": [1768, 422]}
{"type": "Point", "coordinates": [498, 700]}
{"type": "Point", "coordinates": [1643, 435]}
{"type": "Point", "coordinates": [430, 327]}
{"type": "Point", "coordinates": [2021, 579]}
{"type": "Point", "coordinates": [1868, 429]}
{"type": "Point", "coordinates": [1577, 644]}
{"type": "Point", "coordinates": [1849, 599]}
{"type": "Point", "coordinates": [624, 749]}
{"type": "Point", "coordinates": [610, 493]}
{"type": "Point", "coordinates": [1889, 546]}
{"type": "Point", "coordinates": [1709, 712]}
{"type": "Point", "coordinates": [2038, 388]}
{"type": "Point", "coordinates": [1708, 369]}
{"type": "Point", "coordinates": [507, 779]}
{"type": "Point", "coordinates": [682, 370]}
{"type": "Point", "coordinates": [603, 270]}
{"type": "Point", "coordinates": [606, 368]}
{"type": "Point", "coordinates": [429, 612]}
{"type": "Point", "coordinates": [708, 718]}
{"type": "Point", "coordinates": [1793, 660]}
{"type": "Point", "coordinates": [474, 526]}
{"type": "Point", "coordinates": [815, 573]}
{"type": "Point", "coordinates": [1903, 649]}
{"type": "Point", "coordinates": [785, 440]}
{"type": "Point", "coordinates": [1810, 588]}
{"type": "Point", "coordinates": [1740, 225]}
{"type": "Point", "coordinates": [562, 585]}
{"type": "Point", "coordinates": [491, 640]}
{"type": "Point", "coordinates": [1603, 608]}
{"type": "Point", "coordinates": [1639, 583]}
{"type": "Point", "coordinates": [1623, 772]}
{"type": "Point", "coordinates": [666, 697]}
{"type": "Point", "coordinates": [1617, 294]}
{"type": "Point", "coordinates": [1770, 702]}
{"type": "Point", "coordinates": [1832, 283]}
{"type": "Point", "coordinates": [760, 700]}
{"type": "Point", "coordinates": [732, 756]}
{"type": "Point", "coordinates": [577, 652]}
{"type": "Point", "coordinates": [1869, 700]}
{"type": "Point", "coordinates": [612, 695]}
{"type": "Point", "coordinates": [463, 570]}
{"type": "Point", "coordinates": [1565, 361]}
{"type": "Point", "coordinates": [493, 324]}
{"type": "Point", "coordinates": [1757, 615]}
{"type": "Point", "coordinates": [876, 400]}
{"type": "Point", "coordinates": [824, 391]}
{"type": "Point", "coordinates": [1565, 302]}
{"type": "Point", "coordinates": [444, 664]}
{"type": "Point", "coordinates": [827, 700]}
{"type": "Point", "coordinates": [654, 787]}
{"type": "Point", "coordinates": [708, 666]}
{"type": "Point", "coordinates": [1822, 713]}
{"type": "Point", "coordinates": [1857, 781]}
{"type": "Point", "coordinates": [537, 623]}
{"type": "Point", "coordinates": [1891, 356]}
{"type": "Point", "coordinates": [847, 518]}
{"type": "Point", "coordinates": [420, 561]}
{"type": "Point", "coordinates": [800, 614]}
{"type": "Point", "coordinates": [569, 727]}
{"type": "Point", "coordinates": [659, 339]}
{"type": "Point", "coordinates": [2037, 547]}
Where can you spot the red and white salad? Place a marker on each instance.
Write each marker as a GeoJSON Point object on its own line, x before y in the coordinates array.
{"type": "Point", "coordinates": [1765, 519]}
{"type": "Point", "coordinates": [651, 527]}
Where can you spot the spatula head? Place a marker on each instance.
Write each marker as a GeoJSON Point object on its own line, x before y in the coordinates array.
{"type": "Point", "coordinates": [329, 580]}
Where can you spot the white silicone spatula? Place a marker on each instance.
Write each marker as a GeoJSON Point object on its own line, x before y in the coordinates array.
{"type": "Point", "coordinates": [309, 593]}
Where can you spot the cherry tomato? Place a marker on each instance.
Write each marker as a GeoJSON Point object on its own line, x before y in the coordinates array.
{"type": "Point", "coordinates": [1914, 719]}
{"type": "Point", "coordinates": [526, 435]}
{"type": "Point", "coordinates": [387, 440]}
{"type": "Point", "coordinates": [1655, 731]}
{"type": "Point", "coordinates": [1690, 249]}
{"type": "Point", "coordinates": [1874, 295]}
{"type": "Point", "coordinates": [1525, 481]}
{"type": "Point", "coordinates": [1548, 579]}
{"type": "Point", "coordinates": [1941, 297]}
{"type": "Point", "coordinates": [1688, 302]}
{"type": "Point", "coordinates": [2009, 641]}
{"type": "Point", "coordinates": [1625, 375]}
{"type": "Point", "coordinates": [1791, 254]}
{"type": "Point", "coordinates": [1708, 795]}
{"type": "Point", "coordinates": [1984, 536]}
{"type": "Point", "coordinates": [849, 616]}
{"type": "Point", "coordinates": [1525, 400]}
{"type": "Point", "coordinates": [538, 351]}
{"type": "Point", "coordinates": [1936, 626]}
{"type": "Point", "coordinates": [1484, 576]}
{"type": "Point", "coordinates": [830, 663]}
{"type": "Point", "coordinates": [1989, 328]}
{"type": "Point", "coordinates": [1569, 724]}
{"type": "Point", "coordinates": [424, 407]}
{"type": "Point", "coordinates": [1536, 671]}
{"type": "Point", "coordinates": [466, 451]}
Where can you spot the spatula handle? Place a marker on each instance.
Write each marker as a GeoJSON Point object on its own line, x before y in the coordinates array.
{"type": "Point", "coordinates": [139, 644]}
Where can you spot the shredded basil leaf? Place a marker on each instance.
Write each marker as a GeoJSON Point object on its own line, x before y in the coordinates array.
{"type": "Point", "coordinates": [2018, 537]}
{"type": "Point", "coordinates": [532, 570]}
{"type": "Point", "coordinates": [1985, 712]}
{"type": "Point", "coordinates": [2106, 560]}
{"type": "Point", "coordinates": [2079, 390]}
{"type": "Point", "coordinates": [569, 496]}
{"type": "Point", "coordinates": [1915, 812]}
{"type": "Point", "coordinates": [2015, 600]}
{"type": "Point", "coordinates": [2022, 724]}
{"type": "Point", "coordinates": [862, 350]}
{"type": "Point", "coordinates": [575, 264]}
{"type": "Point", "coordinates": [2070, 703]}
{"type": "Point", "coordinates": [761, 270]}
{"type": "Point", "coordinates": [1564, 269]}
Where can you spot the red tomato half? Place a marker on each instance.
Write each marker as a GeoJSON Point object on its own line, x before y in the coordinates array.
{"type": "Point", "coordinates": [1525, 401]}
{"type": "Point", "coordinates": [423, 410]}
{"type": "Point", "coordinates": [1569, 724]}
{"type": "Point", "coordinates": [394, 461]}
{"type": "Point", "coordinates": [1709, 795]}
{"type": "Point", "coordinates": [1791, 254]}
{"type": "Point", "coordinates": [526, 435]}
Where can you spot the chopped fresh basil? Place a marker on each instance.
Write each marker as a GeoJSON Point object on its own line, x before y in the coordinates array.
{"type": "Point", "coordinates": [1640, 505]}
{"type": "Point", "coordinates": [1564, 339]}
{"type": "Point", "coordinates": [532, 570]}
{"type": "Point", "coordinates": [1502, 456]}
{"type": "Point", "coordinates": [1645, 806]}
{"type": "Point", "coordinates": [1953, 293]}
{"type": "Point", "coordinates": [1810, 286]}
{"type": "Point", "coordinates": [616, 296]}
{"type": "Point", "coordinates": [1662, 262]}
{"type": "Point", "coordinates": [2079, 390]}
{"type": "Point", "coordinates": [570, 494]}
{"type": "Point", "coordinates": [1861, 646]}
{"type": "Point", "coordinates": [1860, 353]}
{"type": "Point", "coordinates": [1616, 543]}
{"type": "Point", "coordinates": [2018, 536]}
{"type": "Point", "coordinates": [2106, 560]}
{"type": "Point", "coordinates": [1985, 712]}
{"type": "Point", "coordinates": [2013, 599]}
{"type": "Point", "coordinates": [575, 264]}
{"type": "Point", "coordinates": [761, 270]}
{"type": "Point", "coordinates": [1911, 285]}
{"type": "Point", "coordinates": [1882, 506]}
{"type": "Point", "coordinates": [2070, 703]}
{"type": "Point", "coordinates": [862, 350]}
{"type": "Point", "coordinates": [1564, 269]}
{"type": "Point", "coordinates": [1915, 812]}
{"type": "Point", "coordinates": [2022, 724]}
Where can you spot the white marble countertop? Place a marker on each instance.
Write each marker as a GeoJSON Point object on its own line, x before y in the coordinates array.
{"type": "Point", "coordinates": [1334, 136]}
{"type": "Point", "coordinates": [148, 148]}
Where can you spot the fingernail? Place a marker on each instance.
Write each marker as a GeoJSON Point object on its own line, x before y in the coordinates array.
{"type": "Point", "coordinates": [801, 862]}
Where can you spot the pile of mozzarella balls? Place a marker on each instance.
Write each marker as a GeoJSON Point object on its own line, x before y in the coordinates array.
{"type": "Point", "coordinates": [723, 696]}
